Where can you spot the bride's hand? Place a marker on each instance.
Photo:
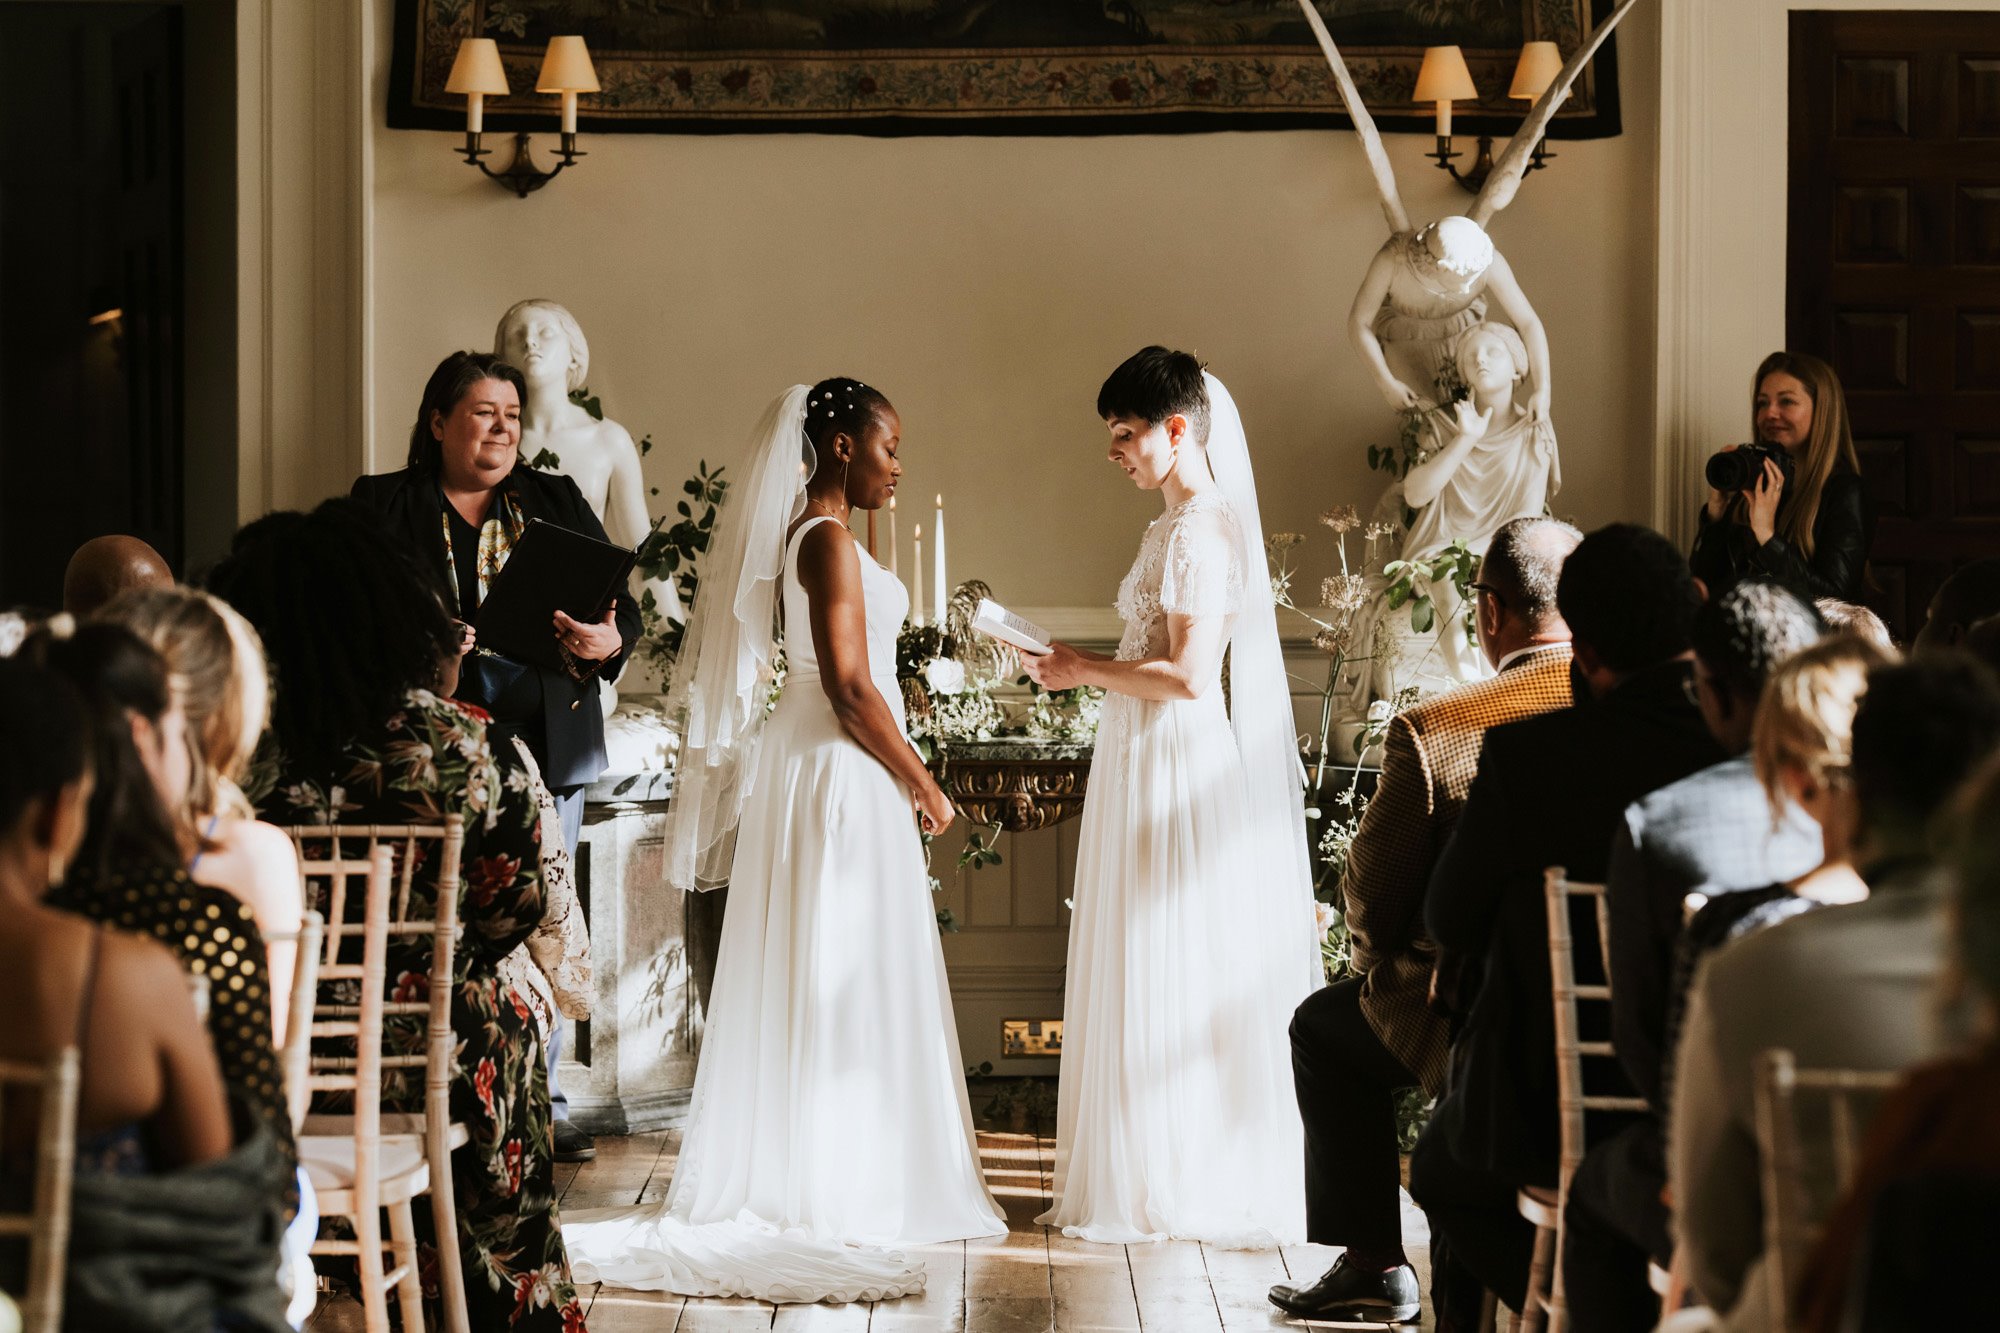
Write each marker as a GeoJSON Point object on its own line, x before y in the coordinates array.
{"type": "Point", "coordinates": [934, 812]}
{"type": "Point", "coordinates": [1060, 668]}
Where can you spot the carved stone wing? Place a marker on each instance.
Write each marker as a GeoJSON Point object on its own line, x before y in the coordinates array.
{"type": "Point", "coordinates": [1364, 124]}
{"type": "Point", "coordinates": [1513, 165]}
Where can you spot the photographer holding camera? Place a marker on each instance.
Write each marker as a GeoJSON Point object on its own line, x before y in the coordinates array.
{"type": "Point", "coordinates": [1790, 507]}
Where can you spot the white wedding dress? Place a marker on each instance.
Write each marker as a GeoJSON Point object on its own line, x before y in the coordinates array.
{"type": "Point", "coordinates": [1191, 941]}
{"type": "Point", "coordinates": [829, 1116]}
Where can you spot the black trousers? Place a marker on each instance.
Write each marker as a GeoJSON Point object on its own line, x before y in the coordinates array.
{"type": "Point", "coordinates": [1478, 1236]}
{"type": "Point", "coordinates": [1615, 1223]}
{"type": "Point", "coordinates": [1347, 1083]}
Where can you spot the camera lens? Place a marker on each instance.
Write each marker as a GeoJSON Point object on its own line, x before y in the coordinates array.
{"type": "Point", "coordinates": [1734, 469]}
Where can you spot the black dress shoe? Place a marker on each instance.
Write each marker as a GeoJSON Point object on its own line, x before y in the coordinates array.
{"type": "Point", "coordinates": [572, 1144]}
{"type": "Point", "coordinates": [1352, 1295]}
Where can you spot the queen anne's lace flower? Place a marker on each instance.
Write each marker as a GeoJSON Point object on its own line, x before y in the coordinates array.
{"type": "Point", "coordinates": [1342, 518]}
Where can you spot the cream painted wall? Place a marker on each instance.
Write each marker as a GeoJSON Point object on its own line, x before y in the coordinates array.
{"type": "Point", "coordinates": [988, 285]}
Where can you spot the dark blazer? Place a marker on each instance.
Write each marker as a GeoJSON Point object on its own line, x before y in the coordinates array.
{"type": "Point", "coordinates": [572, 719]}
{"type": "Point", "coordinates": [1549, 792]}
{"type": "Point", "coordinates": [1725, 551]}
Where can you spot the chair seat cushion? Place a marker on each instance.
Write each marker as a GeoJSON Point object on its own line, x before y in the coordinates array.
{"type": "Point", "coordinates": [329, 1164]}
{"type": "Point", "coordinates": [393, 1122]}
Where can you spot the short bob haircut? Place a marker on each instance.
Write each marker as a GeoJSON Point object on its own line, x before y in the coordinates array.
{"type": "Point", "coordinates": [1155, 383]}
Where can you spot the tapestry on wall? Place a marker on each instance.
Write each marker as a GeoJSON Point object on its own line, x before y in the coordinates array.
{"type": "Point", "coordinates": [989, 66]}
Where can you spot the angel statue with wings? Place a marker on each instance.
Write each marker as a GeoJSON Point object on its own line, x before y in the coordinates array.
{"type": "Point", "coordinates": [1427, 286]}
{"type": "Point", "coordinates": [1421, 323]}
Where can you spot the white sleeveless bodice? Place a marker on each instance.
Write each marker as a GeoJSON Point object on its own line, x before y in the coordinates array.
{"type": "Point", "coordinates": [885, 598]}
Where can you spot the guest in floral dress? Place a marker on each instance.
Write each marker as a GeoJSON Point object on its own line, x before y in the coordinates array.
{"type": "Point", "coordinates": [363, 652]}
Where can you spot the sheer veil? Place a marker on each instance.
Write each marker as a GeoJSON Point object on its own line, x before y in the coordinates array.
{"type": "Point", "coordinates": [1260, 696]}
{"type": "Point", "coordinates": [726, 667]}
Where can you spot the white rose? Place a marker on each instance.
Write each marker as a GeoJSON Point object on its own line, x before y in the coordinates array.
{"type": "Point", "coordinates": [1379, 711]}
{"type": "Point", "coordinates": [945, 676]}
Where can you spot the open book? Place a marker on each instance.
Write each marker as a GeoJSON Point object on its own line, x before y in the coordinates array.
{"type": "Point", "coordinates": [996, 621]}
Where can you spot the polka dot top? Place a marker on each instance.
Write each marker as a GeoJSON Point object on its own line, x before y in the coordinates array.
{"type": "Point", "coordinates": [215, 936]}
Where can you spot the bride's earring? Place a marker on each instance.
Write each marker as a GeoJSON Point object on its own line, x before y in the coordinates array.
{"type": "Point", "coordinates": [843, 482]}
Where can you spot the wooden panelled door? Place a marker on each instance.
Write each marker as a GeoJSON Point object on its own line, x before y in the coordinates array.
{"type": "Point", "coordinates": [1894, 273]}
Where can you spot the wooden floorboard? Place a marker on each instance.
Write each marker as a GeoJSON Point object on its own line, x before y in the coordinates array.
{"type": "Point", "coordinates": [940, 1308]}
{"type": "Point", "coordinates": [1027, 1281]}
{"type": "Point", "coordinates": [1170, 1286]}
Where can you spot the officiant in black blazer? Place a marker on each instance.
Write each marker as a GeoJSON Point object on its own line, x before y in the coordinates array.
{"type": "Point", "coordinates": [463, 500]}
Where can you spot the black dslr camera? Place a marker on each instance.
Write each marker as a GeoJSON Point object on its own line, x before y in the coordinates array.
{"type": "Point", "coordinates": [1738, 469]}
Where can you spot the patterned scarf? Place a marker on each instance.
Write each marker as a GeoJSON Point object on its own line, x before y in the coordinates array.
{"type": "Point", "coordinates": [497, 536]}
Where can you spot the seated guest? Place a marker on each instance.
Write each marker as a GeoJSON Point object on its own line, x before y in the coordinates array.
{"type": "Point", "coordinates": [104, 567]}
{"type": "Point", "coordinates": [1617, 1218]}
{"type": "Point", "coordinates": [1850, 618]}
{"type": "Point", "coordinates": [362, 739]}
{"type": "Point", "coordinates": [1937, 1125]}
{"type": "Point", "coordinates": [216, 665]}
{"type": "Point", "coordinates": [1549, 792]}
{"type": "Point", "coordinates": [1711, 833]}
{"type": "Point", "coordinates": [217, 668]}
{"type": "Point", "coordinates": [131, 871]}
{"type": "Point", "coordinates": [1847, 986]}
{"type": "Point", "coordinates": [1810, 530]}
{"type": "Point", "coordinates": [462, 501]}
{"type": "Point", "coordinates": [1971, 594]}
{"type": "Point", "coordinates": [173, 1225]}
{"type": "Point", "coordinates": [1359, 1042]}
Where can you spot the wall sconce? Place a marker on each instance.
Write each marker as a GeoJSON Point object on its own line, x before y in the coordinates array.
{"type": "Point", "coordinates": [476, 72]}
{"type": "Point", "coordinates": [1444, 79]}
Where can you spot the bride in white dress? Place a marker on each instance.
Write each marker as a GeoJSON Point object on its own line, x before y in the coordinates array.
{"type": "Point", "coordinates": [829, 1118]}
{"type": "Point", "coordinates": [1192, 938]}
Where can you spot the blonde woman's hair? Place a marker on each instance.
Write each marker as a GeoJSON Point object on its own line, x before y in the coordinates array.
{"type": "Point", "coordinates": [1805, 719]}
{"type": "Point", "coordinates": [216, 668]}
{"type": "Point", "coordinates": [1829, 445]}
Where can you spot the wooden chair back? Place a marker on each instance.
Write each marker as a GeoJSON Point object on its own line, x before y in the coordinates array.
{"type": "Point", "coordinates": [328, 876]}
{"type": "Point", "coordinates": [1573, 1102]}
{"type": "Point", "coordinates": [406, 845]}
{"type": "Point", "coordinates": [295, 1056]}
{"type": "Point", "coordinates": [45, 1227]}
{"type": "Point", "coordinates": [1793, 1142]}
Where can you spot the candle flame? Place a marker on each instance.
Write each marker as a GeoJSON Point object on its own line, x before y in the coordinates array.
{"type": "Point", "coordinates": [920, 532]}
{"type": "Point", "coordinates": [940, 503]}
{"type": "Point", "coordinates": [892, 502]}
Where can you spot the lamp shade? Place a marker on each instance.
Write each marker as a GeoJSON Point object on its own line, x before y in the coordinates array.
{"type": "Point", "coordinates": [477, 68]}
{"type": "Point", "coordinates": [567, 68]}
{"type": "Point", "coordinates": [1444, 77]}
{"type": "Point", "coordinates": [1540, 63]}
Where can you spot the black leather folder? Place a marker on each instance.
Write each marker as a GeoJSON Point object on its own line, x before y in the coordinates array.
{"type": "Point", "coordinates": [550, 569]}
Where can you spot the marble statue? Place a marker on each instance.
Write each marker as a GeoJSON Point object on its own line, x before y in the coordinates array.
{"type": "Point", "coordinates": [545, 343]}
{"type": "Point", "coordinates": [1485, 461]}
{"type": "Point", "coordinates": [1477, 391]}
{"type": "Point", "coordinates": [1428, 285]}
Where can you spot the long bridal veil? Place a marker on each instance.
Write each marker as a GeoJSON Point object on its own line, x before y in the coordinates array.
{"type": "Point", "coordinates": [1260, 699]}
{"type": "Point", "coordinates": [722, 682]}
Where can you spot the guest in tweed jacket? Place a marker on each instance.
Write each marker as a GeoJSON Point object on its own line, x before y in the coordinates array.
{"type": "Point", "coordinates": [1362, 1040]}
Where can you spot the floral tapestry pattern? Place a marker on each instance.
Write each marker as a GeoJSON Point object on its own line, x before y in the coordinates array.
{"type": "Point", "coordinates": [987, 66]}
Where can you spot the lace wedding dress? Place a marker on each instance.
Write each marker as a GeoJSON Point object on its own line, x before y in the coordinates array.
{"type": "Point", "coordinates": [1191, 940]}
{"type": "Point", "coordinates": [829, 1115]}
